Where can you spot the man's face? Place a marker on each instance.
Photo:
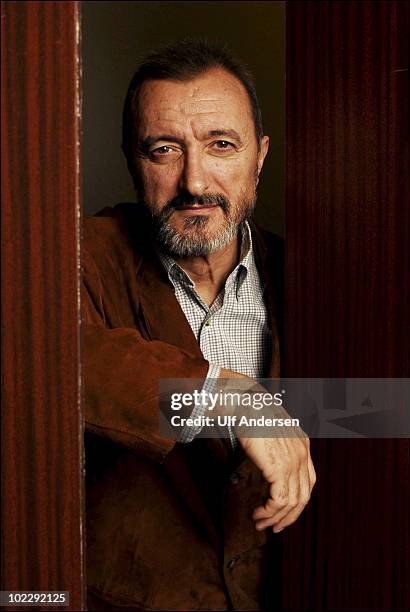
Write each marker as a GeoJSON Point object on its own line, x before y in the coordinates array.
{"type": "Point", "coordinates": [197, 160]}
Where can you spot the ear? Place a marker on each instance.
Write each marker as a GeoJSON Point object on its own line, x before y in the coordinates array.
{"type": "Point", "coordinates": [263, 151]}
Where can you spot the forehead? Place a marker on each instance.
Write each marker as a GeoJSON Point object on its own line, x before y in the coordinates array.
{"type": "Point", "coordinates": [215, 96]}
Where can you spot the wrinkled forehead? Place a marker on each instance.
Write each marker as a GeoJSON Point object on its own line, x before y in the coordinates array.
{"type": "Point", "coordinates": [215, 96]}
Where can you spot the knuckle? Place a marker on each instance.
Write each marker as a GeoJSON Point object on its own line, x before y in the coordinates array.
{"type": "Point", "coordinates": [313, 479]}
{"type": "Point", "coordinates": [303, 453]}
{"type": "Point", "coordinates": [282, 502]}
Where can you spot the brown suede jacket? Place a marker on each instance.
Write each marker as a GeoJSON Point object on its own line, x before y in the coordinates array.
{"type": "Point", "coordinates": [169, 525]}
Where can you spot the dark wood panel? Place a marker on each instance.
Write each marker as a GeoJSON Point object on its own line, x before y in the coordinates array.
{"type": "Point", "coordinates": [41, 418]}
{"type": "Point", "coordinates": [347, 303]}
{"type": "Point", "coordinates": [347, 188]}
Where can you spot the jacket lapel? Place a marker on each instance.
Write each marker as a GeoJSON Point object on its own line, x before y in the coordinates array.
{"type": "Point", "coordinates": [269, 262]}
{"type": "Point", "coordinates": [164, 317]}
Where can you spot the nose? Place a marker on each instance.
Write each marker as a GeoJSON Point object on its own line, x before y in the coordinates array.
{"type": "Point", "coordinates": [194, 177]}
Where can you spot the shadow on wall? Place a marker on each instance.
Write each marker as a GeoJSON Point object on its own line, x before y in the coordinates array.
{"type": "Point", "coordinates": [116, 34]}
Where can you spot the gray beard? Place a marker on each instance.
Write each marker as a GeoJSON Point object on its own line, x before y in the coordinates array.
{"type": "Point", "coordinates": [193, 241]}
{"type": "Point", "coordinates": [194, 244]}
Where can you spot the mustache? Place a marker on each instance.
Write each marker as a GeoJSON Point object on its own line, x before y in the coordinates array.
{"type": "Point", "coordinates": [183, 199]}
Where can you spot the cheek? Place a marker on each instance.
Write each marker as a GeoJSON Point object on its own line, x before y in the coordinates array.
{"type": "Point", "coordinates": [235, 176]}
{"type": "Point", "coordinates": [158, 179]}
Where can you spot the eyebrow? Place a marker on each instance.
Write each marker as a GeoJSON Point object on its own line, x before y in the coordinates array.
{"type": "Point", "coordinates": [147, 142]}
{"type": "Point", "coordinates": [229, 133]}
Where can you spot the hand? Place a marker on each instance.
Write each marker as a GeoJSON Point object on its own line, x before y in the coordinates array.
{"type": "Point", "coordinates": [287, 466]}
{"type": "Point", "coordinates": [285, 463]}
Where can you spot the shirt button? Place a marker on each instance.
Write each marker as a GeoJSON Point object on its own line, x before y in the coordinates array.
{"type": "Point", "coordinates": [233, 562]}
{"type": "Point", "coordinates": [234, 478]}
{"type": "Point", "coordinates": [208, 322]}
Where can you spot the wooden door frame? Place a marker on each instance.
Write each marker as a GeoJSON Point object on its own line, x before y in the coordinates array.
{"type": "Point", "coordinates": [42, 431]}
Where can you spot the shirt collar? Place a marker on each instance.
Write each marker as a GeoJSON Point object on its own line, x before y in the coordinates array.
{"type": "Point", "coordinates": [246, 246]}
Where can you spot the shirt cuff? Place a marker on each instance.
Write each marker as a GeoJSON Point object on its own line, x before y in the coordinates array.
{"type": "Point", "coordinates": [188, 433]}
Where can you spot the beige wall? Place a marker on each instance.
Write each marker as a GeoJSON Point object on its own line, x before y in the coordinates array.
{"type": "Point", "coordinates": [115, 34]}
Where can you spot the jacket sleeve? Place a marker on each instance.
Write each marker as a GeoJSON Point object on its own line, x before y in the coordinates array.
{"type": "Point", "coordinates": [121, 372]}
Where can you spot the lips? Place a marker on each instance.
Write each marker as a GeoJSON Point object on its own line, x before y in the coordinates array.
{"type": "Point", "coordinates": [196, 207]}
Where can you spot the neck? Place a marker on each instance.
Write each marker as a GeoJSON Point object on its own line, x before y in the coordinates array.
{"type": "Point", "coordinates": [209, 273]}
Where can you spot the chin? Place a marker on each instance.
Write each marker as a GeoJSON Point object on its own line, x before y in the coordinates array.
{"type": "Point", "coordinates": [197, 240]}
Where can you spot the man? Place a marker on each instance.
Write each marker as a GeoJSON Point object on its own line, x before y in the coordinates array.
{"type": "Point", "coordinates": [184, 285]}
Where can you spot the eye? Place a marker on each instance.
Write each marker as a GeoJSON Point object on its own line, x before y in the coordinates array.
{"type": "Point", "coordinates": [164, 153]}
{"type": "Point", "coordinates": [223, 144]}
{"type": "Point", "coordinates": [161, 150]}
{"type": "Point", "coordinates": [222, 147]}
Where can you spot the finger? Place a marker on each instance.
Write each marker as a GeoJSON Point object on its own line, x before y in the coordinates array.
{"type": "Point", "coordinates": [269, 508]}
{"type": "Point", "coordinates": [278, 496]}
{"type": "Point", "coordinates": [277, 500]}
{"type": "Point", "coordinates": [287, 504]}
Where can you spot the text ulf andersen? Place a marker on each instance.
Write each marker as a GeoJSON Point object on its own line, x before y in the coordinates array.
{"type": "Point", "coordinates": [227, 420]}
